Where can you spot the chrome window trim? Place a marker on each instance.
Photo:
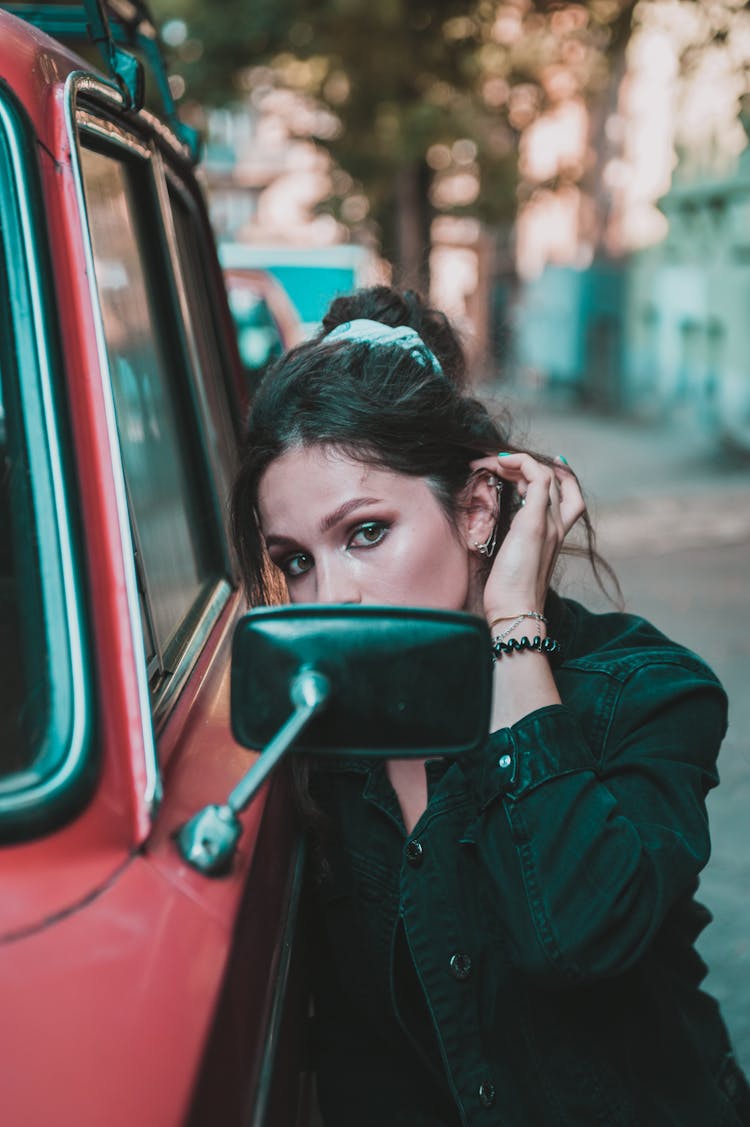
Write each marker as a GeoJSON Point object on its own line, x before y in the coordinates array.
{"type": "Point", "coordinates": [156, 662]}
{"type": "Point", "coordinates": [103, 94]}
{"type": "Point", "coordinates": [110, 131]}
{"type": "Point", "coordinates": [166, 694]}
{"type": "Point", "coordinates": [154, 705]}
{"type": "Point", "coordinates": [165, 134]}
{"type": "Point", "coordinates": [80, 82]}
{"type": "Point", "coordinates": [35, 794]}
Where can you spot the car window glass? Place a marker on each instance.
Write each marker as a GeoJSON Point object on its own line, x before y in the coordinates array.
{"type": "Point", "coordinates": [175, 539]}
{"type": "Point", "coordinates": [23, 683]}
{"type": "Point", "coordinates": [196, 276]}
{"type": "Point", "coordinates": [47, 762]}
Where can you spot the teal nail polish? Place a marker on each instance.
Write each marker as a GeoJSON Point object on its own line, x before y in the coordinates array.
{"type": "Point", "coordinates": [504, 454]}
{"type": "Point", "coordinates": [563, 459]}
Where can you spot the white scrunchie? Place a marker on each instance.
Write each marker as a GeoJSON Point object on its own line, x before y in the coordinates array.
{"type": "Point", "coordinates": [376, 333]}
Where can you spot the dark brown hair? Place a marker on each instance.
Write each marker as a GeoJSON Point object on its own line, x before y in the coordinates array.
{"type": "Point", "coordinates": [381, 405]}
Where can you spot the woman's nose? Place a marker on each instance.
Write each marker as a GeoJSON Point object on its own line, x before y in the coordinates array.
{"type": "Point", "coordinates": [337, 584]}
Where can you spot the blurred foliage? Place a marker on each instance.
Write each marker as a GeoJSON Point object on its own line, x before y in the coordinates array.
{"type": "Point", "coordinates": [450, 85]}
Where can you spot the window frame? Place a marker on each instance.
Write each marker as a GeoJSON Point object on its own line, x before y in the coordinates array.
{"type": "Point", "coordinates": [32, 801]}
{"type": "Point", "coordinates": [90, 105]}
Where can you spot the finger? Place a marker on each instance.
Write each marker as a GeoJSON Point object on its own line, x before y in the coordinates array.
{"type": "Point", "coordinates": [518, 465]}
{"type": "Point", "coordinates": [489, 463]}
{"type": "Point", "coordinates": [533, 481]}
{"type": "Point", "coordinates": [554, 507]}
{"type": "Point", "coordinates": [572, 504]}
{"type": "Point", "coordinates": [523, 469]}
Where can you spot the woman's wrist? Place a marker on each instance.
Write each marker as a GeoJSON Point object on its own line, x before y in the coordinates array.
{"type": "Point", "coordinates": [504, 626]}
{"type": "Point", "coordinates": [522, 682]}
{"type": "Point", "coordinates": [526, 632]}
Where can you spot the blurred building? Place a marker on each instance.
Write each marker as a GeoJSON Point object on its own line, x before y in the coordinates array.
{"type": "Point", "coordinates": [266, 179]}
{"type": "Point", "coordinates": [624, 282]}
{"type": "Point", "coordinates": [686, 323]}
{"type": "Point", "coordinates": [264, 176]}
{"type": "Point", "coordinates": [633, 294]}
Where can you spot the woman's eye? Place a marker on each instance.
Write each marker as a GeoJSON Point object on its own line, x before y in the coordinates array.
{"type": "Point", "coordinates": [297, 565]}
{"type": "Point", "coordinates": [367, 535]}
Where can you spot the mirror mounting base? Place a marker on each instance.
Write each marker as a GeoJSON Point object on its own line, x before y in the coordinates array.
{"type": "Point", "coordinates": [208, 840]}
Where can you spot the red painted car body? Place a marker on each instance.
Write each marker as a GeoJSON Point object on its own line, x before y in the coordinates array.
{"type": "Point", "coordinates": [135, 990]}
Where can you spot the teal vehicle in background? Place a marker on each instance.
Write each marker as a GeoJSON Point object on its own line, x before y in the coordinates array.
{"type": "Point", "coordinates": [265, 320]}
{"type": "Point", "coordinates": [311, 276]}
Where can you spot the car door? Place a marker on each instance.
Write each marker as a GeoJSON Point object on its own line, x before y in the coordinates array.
{"type": "Point", "coordinates": [153, 993]}
{"type": "Point", "coordinates": [166, 333]}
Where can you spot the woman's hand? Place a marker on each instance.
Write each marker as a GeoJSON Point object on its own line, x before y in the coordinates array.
{"type": "Point", "coordinates": [551, 503]}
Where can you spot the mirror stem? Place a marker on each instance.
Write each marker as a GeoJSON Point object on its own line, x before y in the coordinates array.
{"type": "Point", "coordinates": [208, 840]}
{"type": "Point", "coordinates": [309, 693]}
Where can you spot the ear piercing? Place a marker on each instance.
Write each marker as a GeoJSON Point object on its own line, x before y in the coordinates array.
{"type": "Point", "coordinates": [487, 549]}
{"type": "Point", "coordinates": [489, 545]}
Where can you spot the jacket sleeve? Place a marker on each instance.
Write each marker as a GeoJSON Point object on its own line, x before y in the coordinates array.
{"type": "Point", "coordinates": [588, 852]}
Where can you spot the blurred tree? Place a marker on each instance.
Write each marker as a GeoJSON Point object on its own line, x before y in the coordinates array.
{"type": "Point", "coordinates": [430, 97]}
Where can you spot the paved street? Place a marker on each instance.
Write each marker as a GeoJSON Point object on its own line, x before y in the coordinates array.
{"type": "Point", "coordinates": [673, 518]}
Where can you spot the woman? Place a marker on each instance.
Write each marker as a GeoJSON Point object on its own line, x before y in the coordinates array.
{"type": "Point", "coordinates": [507, 938]}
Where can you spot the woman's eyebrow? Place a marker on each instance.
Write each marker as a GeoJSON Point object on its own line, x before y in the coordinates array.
{"type": "Point", "coordinates": [344, 510]}
{"type": "Point", "coordinates": [328, 522]}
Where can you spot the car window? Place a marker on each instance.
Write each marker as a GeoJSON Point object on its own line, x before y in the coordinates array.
{"type": "Point", "coordinates": [172, 506]}
{"type": "Point", "coordinates": [46, 758]}
{"type": "Point", "coordinates": [24, 690]}
{"type": "Point", "coordinates": [211, 359]}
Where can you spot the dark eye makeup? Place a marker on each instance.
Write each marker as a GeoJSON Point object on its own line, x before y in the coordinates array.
{"type": "Point", "coordinates": [296, 564]}
{"type": "Point", "coordinates": [366, 534]}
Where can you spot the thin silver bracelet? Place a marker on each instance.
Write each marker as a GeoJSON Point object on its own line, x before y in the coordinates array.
{"type": "Point", "coordinates": [516, 622]}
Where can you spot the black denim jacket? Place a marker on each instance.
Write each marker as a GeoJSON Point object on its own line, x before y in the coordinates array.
{"type": "Point", "coordinates": [525, 957]}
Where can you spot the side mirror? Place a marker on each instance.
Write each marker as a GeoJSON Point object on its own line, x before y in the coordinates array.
{"type": "Point", "coordinates": [403, 682]}
{"type": "Point", "coordinates": [387, 681]}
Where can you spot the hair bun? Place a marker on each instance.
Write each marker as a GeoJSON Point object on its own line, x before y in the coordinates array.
{"type": "Point", "coordinates": [395, 307]}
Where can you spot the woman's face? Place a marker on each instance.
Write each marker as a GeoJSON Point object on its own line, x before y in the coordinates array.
{"type": "Point", "coordinates": [345, 532]}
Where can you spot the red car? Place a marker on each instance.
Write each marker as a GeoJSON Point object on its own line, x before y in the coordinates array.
{"type": "Point", "coordinates": [135, 988]}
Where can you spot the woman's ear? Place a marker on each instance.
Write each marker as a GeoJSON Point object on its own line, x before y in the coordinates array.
{"type": "Point", "coordinates": [481, 507]}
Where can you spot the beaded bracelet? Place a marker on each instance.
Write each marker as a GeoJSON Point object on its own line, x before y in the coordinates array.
{"type": "Point", "coordinates": [517, 620]}
{"type": "Point", "coordinates": [541, 645]}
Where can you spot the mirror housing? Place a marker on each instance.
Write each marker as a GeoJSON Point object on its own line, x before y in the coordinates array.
{"type": "Point", "coordinates": [404, 682]}
{"type": "Point", "coordinates": [388, 681]}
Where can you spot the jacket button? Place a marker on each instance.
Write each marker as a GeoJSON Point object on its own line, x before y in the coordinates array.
{"type": "Point", "coordinates": [460, 966]}
{"type": "Point", "coordinates": [414, 852]}
{"type": "Point", "coordinates": [504, 761]}
{"type": "Point", "coordinates": [487, 1093]}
